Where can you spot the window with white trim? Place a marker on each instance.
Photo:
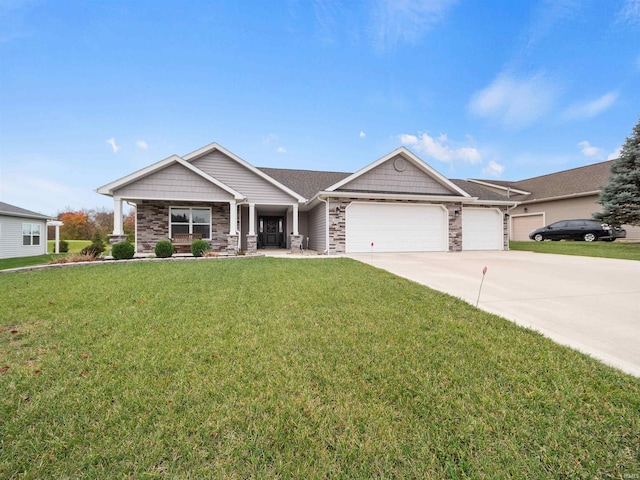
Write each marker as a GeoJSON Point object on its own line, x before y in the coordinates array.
{"type": "Point", "coordinates": [190, 220]}
{"type": "Point", "coordinates": [30, 234]}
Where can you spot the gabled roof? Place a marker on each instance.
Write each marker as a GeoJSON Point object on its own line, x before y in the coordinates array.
{"type": "Point", "coordinates": [214, 146]}
{"type": "Point", "coordinates": [110, 188]}
{"type": "Point", "coordinates": [305, 182]}
{"type": "Point", "coordinates": [587, 180]}
{"type": "Point", "coordinates": [13, 211]}
{"type": "Point", "coordinates": [411, 157]}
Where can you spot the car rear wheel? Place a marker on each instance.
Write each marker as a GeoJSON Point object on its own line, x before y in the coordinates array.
{"type": "Point", "coordinates": [589, 237]}
{"type": "Point", "coordinates": [538, 237]}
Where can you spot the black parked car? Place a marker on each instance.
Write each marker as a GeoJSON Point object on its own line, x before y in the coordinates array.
{"type": "Point", "coordinates": [579, 229]}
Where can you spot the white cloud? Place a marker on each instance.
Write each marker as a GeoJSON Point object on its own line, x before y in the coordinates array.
{"type": "Point", "coordinates": [406, 21]}
{"type": "Point", "coordinates": [441, 148]}
{"type": "Point", "coordinates": [362, 134]}
{"type": "Point", "coordinates": [112, 142]}
{"type": "Point", "coordinates": [589, 150]}
{"type": "Point", "coordinates": [142, 144]}
{"type": "Point", "coordinates": [493, 169]}
{"type": "Point", "coordinates": [269, 139]}
{"type": "Point", "coordinates": [630, 11]}
{"type": "Point", "coordinates": [615, 154]}
{"type": "Point", "coordinates": [590, 108]}
{"type": "Point", "coordinates": [515, 102]}
{"type": "Point", "coordinates": [281, 150]}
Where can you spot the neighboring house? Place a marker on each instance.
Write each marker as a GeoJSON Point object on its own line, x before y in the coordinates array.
{"type": "Point", "coordinates": [557, 196]}
{"type": "Point", "coordinates": [22, 233]}
{"type": "Point", "coordinates": [397, 203]}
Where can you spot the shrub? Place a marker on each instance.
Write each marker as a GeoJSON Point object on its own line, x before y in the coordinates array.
{"type": "Point", "coordinates": [63, 245]}
{"type": "Point", "coordinates": [96, 247]}
{"type": "Point", "coordinates": [164, 249]}
{"type": "Point", "coordinates": [199, 247]}
{"type": "Point", "coordinates": [91, 250]}
{"type": "Point", "coordinates": [123, 251]}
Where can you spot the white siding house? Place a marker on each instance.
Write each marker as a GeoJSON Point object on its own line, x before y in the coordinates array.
{"type": "Point", "coordinates": [22, 233]}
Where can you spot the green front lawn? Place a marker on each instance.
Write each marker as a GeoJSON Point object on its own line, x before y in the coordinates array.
{"type": "Point", "coordinates": [622, 250]}
{"type": "Point", "coordinates": [6, 263]}
{"type": "Point", "coordinates": [74, 245]}
{"type": "Point", "coordinates": [314, 368]}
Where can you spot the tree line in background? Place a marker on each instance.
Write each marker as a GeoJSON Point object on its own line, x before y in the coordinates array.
{"type": "Point", "coordinates": [87, 224]}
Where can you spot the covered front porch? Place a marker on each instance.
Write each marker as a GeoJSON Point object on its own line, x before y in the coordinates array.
{"type": "Point", "coordinates": [227, 226]}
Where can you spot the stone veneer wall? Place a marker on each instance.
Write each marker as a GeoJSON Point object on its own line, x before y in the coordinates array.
{"type": "Point", "coordinates": [152, 223]}
{"type": "Point", "coordinates": [455, 226]}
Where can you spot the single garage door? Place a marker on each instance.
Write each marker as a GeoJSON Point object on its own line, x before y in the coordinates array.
{"type": "Point", "coordinates": [521, 227]}
{"type": "Point", "coordinates": [396, 227]}
{"type": "Point", "coordinates": [482, 229]}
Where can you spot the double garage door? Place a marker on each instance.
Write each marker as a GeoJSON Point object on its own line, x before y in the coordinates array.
{"type": "Point", "coordinates": [397, 227]}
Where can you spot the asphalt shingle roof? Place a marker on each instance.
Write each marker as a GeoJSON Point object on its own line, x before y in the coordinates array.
{"type": "Point", "coordinates": [309, 182]}
{"type": "Point", "coordinates": [305, 182]}
{"type": "Point", "coordinates": [19, 212]}
{"type": "Point", "coordinates": [589, 178]}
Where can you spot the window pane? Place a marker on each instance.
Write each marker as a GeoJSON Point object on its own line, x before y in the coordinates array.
{"type": "Point", "coordinates": [26, 240]}
{"type": "Point", "coordinates": [26, 230]}
{"type": "Point", "coordinates": [179, 215]}
{"type": "Point", "coordinates": [35, 229]}
{"type": "Point", "coordinates": [201, 216]}
{"type": "Point", "coordinates": [202, 229]}
{"type": "Point", "coordinates": [179, 228]}
{"type": "Point", "coordinates": [36, 240]}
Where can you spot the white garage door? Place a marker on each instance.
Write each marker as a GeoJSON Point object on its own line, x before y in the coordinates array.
{"type": "Point", "coordinates": [482, 229]}
{"type": "Point", "coordinates": [395, 227]}
{"type": "Point", "coordinates": [521, 227]}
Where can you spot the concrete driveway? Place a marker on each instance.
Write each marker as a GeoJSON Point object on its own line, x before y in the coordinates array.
{"type": "Point", "coordinates": [591, 304]}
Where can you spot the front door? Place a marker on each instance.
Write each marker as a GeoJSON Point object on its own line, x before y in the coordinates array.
{"type": "Point", "coordinates": [271, 231]}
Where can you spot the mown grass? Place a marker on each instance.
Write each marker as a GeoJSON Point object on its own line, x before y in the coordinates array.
{"type": "Point", "coordinates": [621, 250]}
{"type": "Point", "coordinates": [6, 263]}
{"type": "Point", "coordinates": [318, 368]}
{"type": "Point", "coordinates": [74, 245]}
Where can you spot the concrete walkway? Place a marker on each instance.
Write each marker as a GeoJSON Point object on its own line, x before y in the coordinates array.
{"type": "Point", "coordinates": [591, 304]}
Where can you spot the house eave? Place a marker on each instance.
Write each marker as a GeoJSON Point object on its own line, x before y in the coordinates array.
{"type": "Point", "coordinates": [559, 197]}
{"type": "Point", "coordinates": [26, 215]}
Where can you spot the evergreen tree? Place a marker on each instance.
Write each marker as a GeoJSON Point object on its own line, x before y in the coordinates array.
{"type": "Point", "coordinates": [620, 198]}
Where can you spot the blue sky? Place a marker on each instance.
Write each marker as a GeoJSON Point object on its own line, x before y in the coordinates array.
{"type": "Point", "coordinates": [91, 91]}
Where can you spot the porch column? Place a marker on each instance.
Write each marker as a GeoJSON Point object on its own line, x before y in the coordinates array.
{"type": "Point", "coordinates": [117, 216]}
{"type": "Point", "coordinates": [252, 238]}
{"type": "Point", "coordinates": [295, 219]}
{"type": "Point", "coordinates": [232, 238]}
{"type": "Point", "coordinates": [252, 219]}
{"type": "Point", "coordinates": [117, 236]}
{"type": "Point", "coordinates": [57, 226]}
{"type": "Point", "coordinates": [233, 217]}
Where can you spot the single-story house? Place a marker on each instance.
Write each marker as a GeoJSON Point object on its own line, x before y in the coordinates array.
{"type": "Point", "coordinates": [23, 233]}
{"type": "Point", "coordinates": [396, 204]}
{"type": "Point", "coordinates": [557, 196]}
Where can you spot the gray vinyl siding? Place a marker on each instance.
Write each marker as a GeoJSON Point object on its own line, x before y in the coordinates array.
{"type": "Point", "coordinates": [174, 182]}
{"type": "Point", "coordinates": [385, 178]}
{"type": "Point", "coordinates": [11, 238]}
{"type": "Point", "coordinates": [317, 228]}
{"type": "Point", "coordinates": [241, 179]}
